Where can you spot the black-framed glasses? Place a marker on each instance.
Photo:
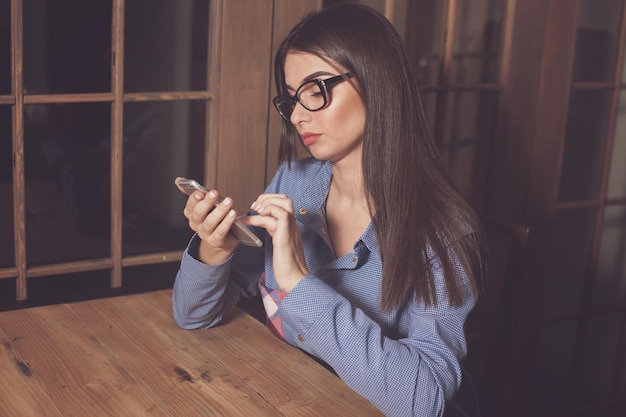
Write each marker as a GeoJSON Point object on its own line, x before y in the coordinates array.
{"type": "Point", "coordinates": [312, 95]}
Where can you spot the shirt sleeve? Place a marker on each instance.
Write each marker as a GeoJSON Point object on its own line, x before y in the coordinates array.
{"type": "Point", "coordinates": [203, 294]}
{"type": "Point", "coordinates": [412, 376]}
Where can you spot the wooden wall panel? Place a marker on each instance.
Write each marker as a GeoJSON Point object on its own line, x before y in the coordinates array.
{"type": "Point", "coordinates": [509, 190]}
{"type": "Point", "coordinates": [242, 97]}
{"type": "Point", "coordinates": [512, 148]}
{"type": "Point", "coordinates": [246, 149]}
{"type": "Point", "coordinates": [552, 110]}
{"type": "Point", "coordinates": [286, 14]}
{"type": "Point", "coordinates": [526, 170]}
{"type": "Point", "coordinates": [551, 106]}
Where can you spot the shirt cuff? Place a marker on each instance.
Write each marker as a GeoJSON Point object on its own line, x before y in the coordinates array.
{"type": "Point", "coordinates": [305, 304]}
{"type": "Point", "coordinates": [192, 267]}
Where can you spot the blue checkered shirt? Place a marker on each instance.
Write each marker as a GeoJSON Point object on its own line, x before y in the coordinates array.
{"type": "Point", "coordinates": [406, 362]}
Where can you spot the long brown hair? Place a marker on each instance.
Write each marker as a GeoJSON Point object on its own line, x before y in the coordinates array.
{"type": "Point", "coordinates": [418, 216]}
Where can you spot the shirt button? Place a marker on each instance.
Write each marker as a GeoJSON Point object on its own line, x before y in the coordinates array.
{"type": "Point", "coordinates": [355, 259]}
{"type": "Point", "coordinates": [302, 210]}
{"type": "Point", "coordinates": [301, 338]}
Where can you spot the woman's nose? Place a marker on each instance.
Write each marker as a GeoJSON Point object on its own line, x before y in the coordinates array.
{"type": "Point", "coordinates": [299, 114]}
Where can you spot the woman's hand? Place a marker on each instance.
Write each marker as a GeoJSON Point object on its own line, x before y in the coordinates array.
{"type": "Point", "coordinates": [212, 224]}
{"type": "Point", "coordinates": [276, 216]}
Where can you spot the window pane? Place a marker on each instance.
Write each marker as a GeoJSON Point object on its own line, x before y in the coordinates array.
{"type": "Point", "coordinates": [149, 277]}
{"type": "Point", "coordinates": [67, 153]}
{"type": "Point", "coordinates": [600, 354]}
{"type": "Point", "coordinates": [7, 245]}
{"type": "Point", "coordinates": [7, 294]}
{"type": "Point", "coordinates": [166, 45]}
{"type": "Point", "coordinates": [610, 285]}
{"type": "Point", "coordinates": [469, 131]}
{"type": "Point", "coordinates": [554, 391]}
{"type": "Point", "coordinates": [617, 175]}
{"type": "Point", "coordinates": [429, 100]}
{"type": "Point", "coordinates": [6, 162]}
{"type": "Point", "coordinates": [573, 231]}
{"type": "Point", "coordinates": [163, 140]}
{"type": "Point", "coordinates": [5, 47]}
{"type": "Point", "coordinates": [425, 28]}
{"type": "Point", "coordinates": [374, 4]}
{"type": "Point", "coordinates": [477, 42]}
{"type": "Point", "coordinates": [555, 357]}
{"type": "Point", "coordinates": [63, 288]}
{"type": "Point", "coordinates": [585, 135]}
{"type": "Point", "coordinates": [67, 46]}
{"type": "Point", "coordinates": [597, 40]}
{"type": "Point", "coordinates": [624, 67]}
{"type": "Point", "coordinates": [6, 189]}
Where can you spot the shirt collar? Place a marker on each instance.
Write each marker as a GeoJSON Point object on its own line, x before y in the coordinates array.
{"type": "Point", "coordinates": [311, 202]}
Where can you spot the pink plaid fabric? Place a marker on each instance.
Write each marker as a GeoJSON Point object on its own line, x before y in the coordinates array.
{"type": "Point", "coordinates": [271, 301]}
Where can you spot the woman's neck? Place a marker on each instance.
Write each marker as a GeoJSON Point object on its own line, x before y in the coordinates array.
{"type": "Point", "coordinates": [347, 183]}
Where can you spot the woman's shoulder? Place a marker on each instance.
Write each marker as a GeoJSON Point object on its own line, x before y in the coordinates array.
{"type": "Point", "coordinates": [301, 169]}
{"type": "Point", "coordinates": [298, 172]}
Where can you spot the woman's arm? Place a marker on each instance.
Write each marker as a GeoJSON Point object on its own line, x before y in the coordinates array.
{"type": "Point", "coordinates": [203, 294]}
{"type": "Point", "coordinates": [413, 376]}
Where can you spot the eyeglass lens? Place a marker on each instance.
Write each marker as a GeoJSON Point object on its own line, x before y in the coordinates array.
{"type": "Point", "coordinates": [309, 94]}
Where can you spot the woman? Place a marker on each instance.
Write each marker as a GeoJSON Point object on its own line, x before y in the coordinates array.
{"type": "Point", "coordinates": [371, 259]}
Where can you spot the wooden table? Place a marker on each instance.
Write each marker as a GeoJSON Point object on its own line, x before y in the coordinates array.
{"type": "Point", "coordinates": [125, 356]}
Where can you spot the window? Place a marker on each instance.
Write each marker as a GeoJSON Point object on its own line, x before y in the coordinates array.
{"type": "Point", "coordinates": [108, 102]}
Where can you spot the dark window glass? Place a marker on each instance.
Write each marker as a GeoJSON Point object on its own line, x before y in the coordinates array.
{"type": "Point", "coordinates": [617, 173]}
{"type": "Point", "coordinates": [610, 281]}
{"type": "Point", "coordinates": [67, 46]}
{"type": "Point", "coordinates": [624, 70]}
{"type": "Point", "coordinates": [477, 43]}
{"type": "Point", "coordinates": [600, 356]}
{"type": "Point", "coordinates": [162, 140]}
{"type": "Point", "coordinates": [573, 232]}
{"type": "Point", "coordinates": [149, 277]}
{"type": "Point", "coordinates": [469, 132]}
{"type": "Point", "coordinates": [584, 138]}
{"type": "Point", "coordinates": [425, 28]}
{"type": "Point", "coordinates": [166, 45]}
{"type": "Point", "coordinates": [597, 40]}
{"type": "Point", "coordinates": [67, 154]}
{"type": "Point", "coordinates": [87, 285]}
{"type": "Point", "coordinates": [5, 47]}
{"type": "Point", "coordinates": [7, 254]}
{"type": "Point", "coordinates": [555, 359]}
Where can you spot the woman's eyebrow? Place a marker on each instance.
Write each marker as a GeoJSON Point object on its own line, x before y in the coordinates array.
{"type": "Point", "coordinates": [316, 75]}
{"type": "Point", "coordinates": [310, 77]}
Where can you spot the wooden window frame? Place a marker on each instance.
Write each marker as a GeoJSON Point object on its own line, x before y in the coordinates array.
{"type": "Point", "coordinates": [224, 70]}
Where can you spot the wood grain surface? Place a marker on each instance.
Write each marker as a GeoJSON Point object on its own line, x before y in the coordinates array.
{"type": "Point", "coordinates": [125, 356]}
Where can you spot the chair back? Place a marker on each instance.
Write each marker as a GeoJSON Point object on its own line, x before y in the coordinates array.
{"type": "Point", "coordinates": [489, 325]}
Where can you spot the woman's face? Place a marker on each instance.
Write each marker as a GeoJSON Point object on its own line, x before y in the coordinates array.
{"type": "Point", "coordinates": [334, 133]}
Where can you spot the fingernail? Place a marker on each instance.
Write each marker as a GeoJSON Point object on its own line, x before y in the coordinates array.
{"type": "Point", "coordinates": [212, 194]}
{"type": "Point", "coordinates": [253, 205]}
{"type": "Point", "coordinates": [231, 213]}
{"type": "Point", "coordinates": [260, 209]}
{"type": "Point", "coordinates": [227, 201]}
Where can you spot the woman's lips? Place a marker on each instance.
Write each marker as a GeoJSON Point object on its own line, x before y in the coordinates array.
{"type": "Point", "coordinates": [309, 139]}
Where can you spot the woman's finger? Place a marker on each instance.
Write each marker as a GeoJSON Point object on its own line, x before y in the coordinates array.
{"type": "Point", "coordinates": [216, 231]}
{"type": "Point", "coordinates": [265, 200]}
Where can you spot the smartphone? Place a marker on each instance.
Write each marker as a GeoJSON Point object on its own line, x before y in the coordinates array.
{"type": "Point", "coordinates": [240, 230]}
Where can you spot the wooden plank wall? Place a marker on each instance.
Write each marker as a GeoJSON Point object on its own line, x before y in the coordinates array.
{"type": "Point", "coordinates": [248, 128]}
